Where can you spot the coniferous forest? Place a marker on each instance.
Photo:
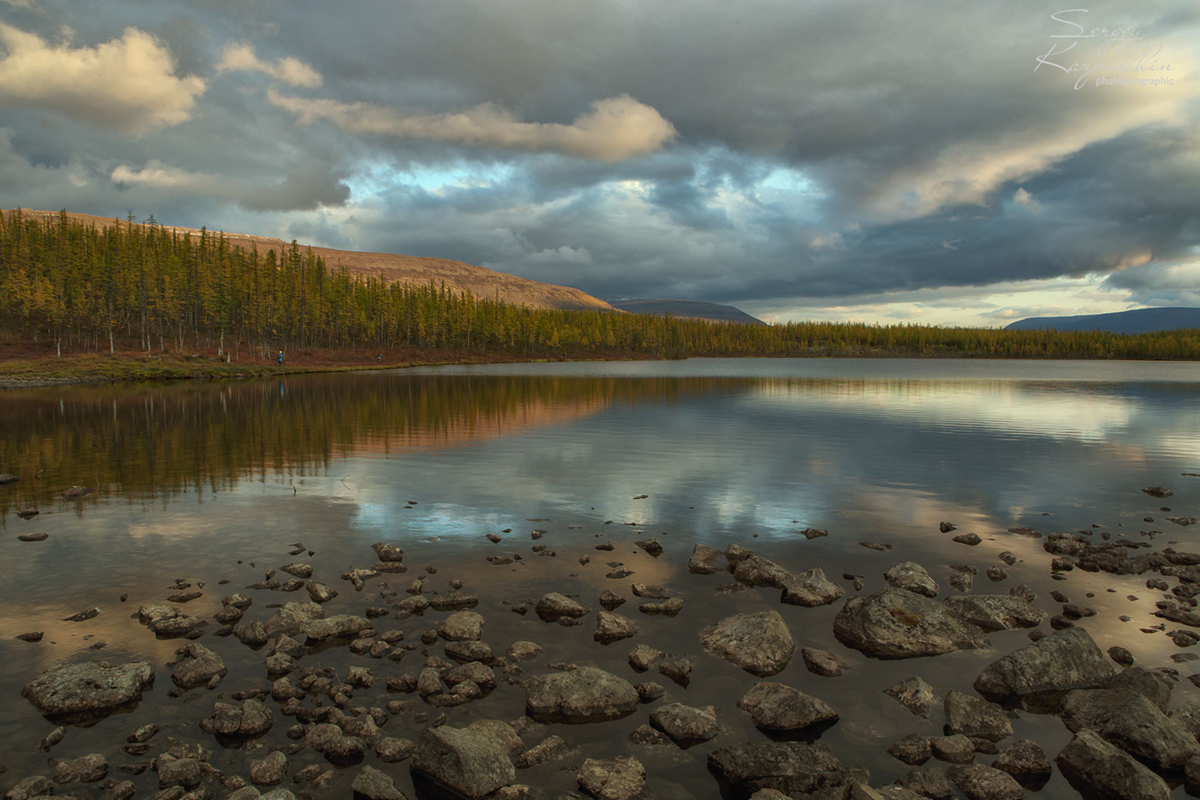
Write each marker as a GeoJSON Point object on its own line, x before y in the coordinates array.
{"type": "Point", "coordinates": [143, 286]}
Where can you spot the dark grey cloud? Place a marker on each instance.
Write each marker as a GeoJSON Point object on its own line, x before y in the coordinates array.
{"type": "Point", "coordinates": [829, 150]}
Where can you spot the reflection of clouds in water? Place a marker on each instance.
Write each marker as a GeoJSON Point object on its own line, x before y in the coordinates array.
{"type": "Point", "coordinates": [1000, 407]}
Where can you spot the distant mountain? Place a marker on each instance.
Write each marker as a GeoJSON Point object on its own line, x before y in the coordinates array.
{"type": "Point", "coordinates": [1141, 320]}
{"type": "Point", "coordinates": [690, 309]}
{"type": "Point", "coordinates": [479, 281]}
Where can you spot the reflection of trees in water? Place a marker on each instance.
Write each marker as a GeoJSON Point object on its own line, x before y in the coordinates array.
{"type": "Point", "coordinates": [141, 442]}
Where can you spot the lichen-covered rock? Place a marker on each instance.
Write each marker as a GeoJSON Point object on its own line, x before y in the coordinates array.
{"type": "Point", "coordinates": [613, 628]}
{"type": "Point", "coordinates": [586, 694]}
{"type": "Point", "coordinates": [462, 626]}
{"type": "Point", "coordinates": [269, 770]}
{"type": "Point", "coordinates": [810, 588]}
{"type": "Point", "coordinates": [1097, 769]}
{"type": "Point", "coordinates": [85, 769]}
{"type": "Point", "coordinates": [777, 707]}
{"type": "Point", "coordinates": [375, 785]}
{"type": "Point", "coordinates": [759, 643]}
{"type": "Point", "coordinates": [1133, 723]}
{"type": "Point", "coordinates": [895, 623]}
{"type": "Point", "coordinates": [912, 577]}
{"type": "Point", "coordinates": [686, 725]}
{"type": "Point", "coordinates": [197, 666]}
{"type": "Point", "coordinates": [1041, 672]}
{"type": "Point", "coordinates": [995, 612]}
{"type": "Point", "coordinates": [554, 606]}
{"type": "Point", "coordinates": [339, 626]}
{"type": "Point", "coordinates": [619, 778]}
{"type": "Point", "coordinates": [914, 694]}
{"type": "Point", "coordinates": [33, 786]}
{"type": "Point", "coordinates": [250, 718]}
{"type": "Point", "coordinates": [822, 662]}
{"type": "Point", "coordinates": [975, 717]}
{"type": "Point", "coordinates": [1025, 758]}
{"type": "Point", "coordinates": [794, 768]}
{"type": "Point", "coordinates": [471, 761]}
{"type": "Point", "coordinates": [90, 687]}
{"type": "Point", "coordinates": [706, 560]}
{"type": "Point", "coordinates": [978, 782]}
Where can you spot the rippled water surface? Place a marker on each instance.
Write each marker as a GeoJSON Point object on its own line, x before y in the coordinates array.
{"type": "Point", "coordinates": [211, 482]}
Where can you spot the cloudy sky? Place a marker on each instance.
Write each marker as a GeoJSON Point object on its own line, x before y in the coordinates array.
{"type": "Point", "coordinates": [934, 162]}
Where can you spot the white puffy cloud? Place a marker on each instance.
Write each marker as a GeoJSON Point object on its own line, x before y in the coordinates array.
{"type": "Point", "coordinates": [127, 83]}
{"type": "Point", "coordinates": [614, 129]}
{"type": "Point", "coordinates": [241, 57]}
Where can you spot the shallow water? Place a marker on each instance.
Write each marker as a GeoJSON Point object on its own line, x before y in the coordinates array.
{"type": "Point", "coordinates": [211, 482]}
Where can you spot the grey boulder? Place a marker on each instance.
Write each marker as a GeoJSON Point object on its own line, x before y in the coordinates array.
{"type": "Point", "coordinates": [1098, 769]}
{"type": "Point", "coordinates": [585, 694]}
{"type": "Point", "coordinates": [472, 761]}
{"type": "Point", "coordinates": [1041, 672]}
{"type": "Point", "coordinates": [895, 623]}
{"type": "Point", "coordinates": [88, 687]}
{"type": "Point", "coordinates": [759, 643]}
{"type": "Point", "coordinates": [777, 707]}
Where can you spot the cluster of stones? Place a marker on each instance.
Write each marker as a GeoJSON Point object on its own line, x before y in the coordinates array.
{"type": "Point", "coordinates": [1129, 740]}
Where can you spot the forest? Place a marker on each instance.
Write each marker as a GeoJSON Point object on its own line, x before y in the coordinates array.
{"type": "Point", "coordinates": [147, 287]}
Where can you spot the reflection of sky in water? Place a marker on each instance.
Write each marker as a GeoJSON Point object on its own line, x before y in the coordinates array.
{"type": "Point", "coordinates": [868, 450]}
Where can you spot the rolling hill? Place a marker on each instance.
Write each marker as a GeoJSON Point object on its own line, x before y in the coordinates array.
{"type": "Point", "coordinates": [690, 309]}
{"type": "Point", "coordinates": [1141, 320]}
{"type": "Point", "coordinates": [479, 281]}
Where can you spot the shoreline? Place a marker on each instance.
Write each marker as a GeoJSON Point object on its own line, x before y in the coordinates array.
{"type": "Point", "coordinates": [44, 371]}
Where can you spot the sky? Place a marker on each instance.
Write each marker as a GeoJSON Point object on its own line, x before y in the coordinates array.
{"type": "Point", "coordinates": [928, 162]}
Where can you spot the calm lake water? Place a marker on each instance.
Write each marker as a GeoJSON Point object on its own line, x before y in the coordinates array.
{"type": "Point", "coordinates": [215, 481]}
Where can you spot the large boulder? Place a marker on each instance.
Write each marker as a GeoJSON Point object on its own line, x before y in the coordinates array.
{"type": "Point", "coordinates": [810, 588]}
{"type": "Point", "coordinates": [706, 560]}
{"type": "Point", "coordinates": [291, 616]}
{"type": "Point", "coordinates": [1133, 723]}
{"type": "Point", "coordinates": [1040, 673]}
{"type": "Point", "coordinates": [473, 761]}
{"type": "Point", "coordinates": [89, 687]}
{"type": "Point", "coordinates": [896, 623]}
{"type": "Point", "coordinates": [759, 643]}
{"type": "Point", "coordinates": [1097, 769]}
{"type": "Point", "coordinates": [777, 707]}
{"type": "Point", "coordinates": [585, 694]}
{"type": "Point", "coordinates": [995, 612]}
{"type": "Point", "coordinates": [793, 768]}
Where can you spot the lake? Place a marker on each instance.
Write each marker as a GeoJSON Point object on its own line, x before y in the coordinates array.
{"type": "Point", "coordinates": [209, 482]}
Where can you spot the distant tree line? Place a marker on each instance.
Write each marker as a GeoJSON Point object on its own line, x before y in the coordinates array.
{"type": "Point", "coordinates": [85, 287]}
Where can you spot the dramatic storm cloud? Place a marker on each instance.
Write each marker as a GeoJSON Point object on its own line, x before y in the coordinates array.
{"type": "Point", "coordinates": [941, 162]}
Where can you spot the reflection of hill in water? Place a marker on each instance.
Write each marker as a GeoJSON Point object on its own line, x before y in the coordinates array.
{"type": "Point", "coordinates": [138, 441]}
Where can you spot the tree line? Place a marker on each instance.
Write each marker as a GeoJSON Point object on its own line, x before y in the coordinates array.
{"type": "Point", "coordinates": [143, 285]}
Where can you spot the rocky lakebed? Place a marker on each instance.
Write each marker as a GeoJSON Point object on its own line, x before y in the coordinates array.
{"type": "Point", "coordinates": [695, 671]}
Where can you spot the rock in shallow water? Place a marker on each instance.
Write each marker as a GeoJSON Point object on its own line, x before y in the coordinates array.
{"type": "Point", "coordinates": [995, 612]}
{"type": "Point", "coordinates": [975, 717]}
{"type": "Point", "coordinates": [1097, 769]}
{"type": "Point", "coordinates": [810, 588]}
{"type": "Point", "coordinates": [1133, 723]}
{"type": "Point", "coordinates": [1038, 673]}
{"type": "Point", "coordinates": [472, 761]}
{"type": "Point", "coordinates": [686, 725]}
{"type": "Point", "coordinates": [914, 694]}
{"type": "Point", "coordinates": [912, 577]}
{"type": "Point", "coordinates": [619, 778]}
{"type": "Point", "coordinates": [895, 623]}
{"type": "Point", "coordinates": [796, 769]}
{"type": "Point", "coordinates": [586, 694]}
{"type": "Point", "coordinates": [759, 643]}
{"type": "Point", "coordinates": [88, 687]}
{"type": "Point", "coordinates": [375, 785]}
{"type": "Point", "coordinates": [778, 707]}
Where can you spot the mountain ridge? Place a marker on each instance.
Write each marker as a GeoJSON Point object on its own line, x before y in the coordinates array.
{"type": "Point", "coordinates": [1138, 320]}
{"type": "Point", "coordinates": [686, 309]}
